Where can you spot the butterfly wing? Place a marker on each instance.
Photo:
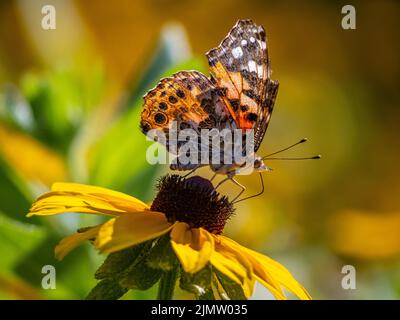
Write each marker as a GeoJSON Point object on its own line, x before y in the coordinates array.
{"type": "Point", "coordinates": [265, 111]}
{"type": "Point", "coordinates": [240, 67]}
{"type": "Point", "coordinates": [189, 99]}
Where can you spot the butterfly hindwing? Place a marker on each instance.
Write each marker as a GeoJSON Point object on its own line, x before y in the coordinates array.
{"type": "Point", "coordinates": [189, 99]}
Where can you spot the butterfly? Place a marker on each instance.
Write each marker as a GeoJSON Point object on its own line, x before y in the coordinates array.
{"type": "Point", "coordinates": [238, 94]}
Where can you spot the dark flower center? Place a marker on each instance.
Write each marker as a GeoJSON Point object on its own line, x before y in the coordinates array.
{"type": "Point", "coordinates": [193, 201]}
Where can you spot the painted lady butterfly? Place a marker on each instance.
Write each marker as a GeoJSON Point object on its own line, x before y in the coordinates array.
{"type": "Point", "coordinates": [239, 94]}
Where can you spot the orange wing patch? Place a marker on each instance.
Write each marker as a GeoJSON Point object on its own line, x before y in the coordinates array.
{"type": "Point", "coordinates": [240, 66]}
{"type": "Point", "coordinates": [239, 104]}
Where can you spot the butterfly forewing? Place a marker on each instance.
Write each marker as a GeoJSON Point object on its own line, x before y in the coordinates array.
{"type": "Point", "coordinates": [240, 67]}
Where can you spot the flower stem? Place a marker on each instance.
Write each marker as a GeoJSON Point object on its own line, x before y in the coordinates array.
{"type": "Point", "coordinates": [167, 284]}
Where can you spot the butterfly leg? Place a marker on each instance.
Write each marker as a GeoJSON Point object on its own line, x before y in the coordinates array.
{"type": "Point", "coordinates": [230, 177]}
{"type": "Point", "coordinates": [239, 185]}
{"type": "Point", "coordinates": [255, 195]}
{"type": "Point", "coordinates": [221, 182]}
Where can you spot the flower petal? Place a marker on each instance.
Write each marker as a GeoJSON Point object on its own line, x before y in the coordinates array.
{"type": "Point", "coordinates": [269, 272]}
{"type": "Point", "coordinates": [95, 190]}
{"type": "Point", "coordinates": [128, 230]}
{"type": "Point", "coordinates": [234, 265]}
{"type": "Point", "coordinates": [71, 242]}
{"type": "Point", "coordinates": [261, 273]}
{"type": "Point", "coordinates": [192, 246]}
{"type": "Point", "coordinates": [74, 197]}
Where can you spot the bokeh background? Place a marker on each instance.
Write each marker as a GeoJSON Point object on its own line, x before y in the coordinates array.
{"type": "Point", "coordinates": [70, 101]}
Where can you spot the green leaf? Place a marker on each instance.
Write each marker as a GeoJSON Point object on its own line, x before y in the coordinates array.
{"type": "Point", "coordinates": [140, 276]}
{"type": "Point", "coordinates": [198, 283]}
{"type": "Point", "coordinates": [118, 262]}
{"type": "Point", "coordinates": [14, 109]}
{"type": "Point", "coordinates": [25, 249]}
{"type": "Point", "coordinates": [17, 240]}
{"type": "Point", "coordinates": [51, 97]}
{"type": "Point", "coordinates": [232, 289]}
{"type": "Point", "coordinates": [15, 194]}
{"type": "Point", "coordinates": [74, 273]}
{"type": "Point", "coordinates": [162, 256]}
{"type": "Point", "coordinates": [208, 295]}
{"type": "Point", "coordinates": [60, 101]}
{"type": "Point", "coordinates": [107, 289]}
{"type": "Point", "coordinates": [129, 268]}
{"type": "Point", "coordinates": [166, 287]}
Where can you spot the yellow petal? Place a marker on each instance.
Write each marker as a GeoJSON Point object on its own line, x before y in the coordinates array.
{"type": "Point", "coordinates": [74, 197]}
{"type": "Point", "coordinates": [94, 190]}
{"type": "Point", "coordinates": [234, 265]}
{"type": "Point", "coordinates": [260, 272]}
{"type": "Point", "coordinates": [71, 242]}
{"type": "Point", "coordinates": [128, 230]}
{"type": "Point", "coordinates": [193, 247]}
{"type": "Point", "coordinates": [266, 269]}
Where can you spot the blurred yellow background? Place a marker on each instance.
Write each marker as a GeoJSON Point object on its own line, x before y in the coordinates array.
{"type": "Point", "coordinates": [70, 101]}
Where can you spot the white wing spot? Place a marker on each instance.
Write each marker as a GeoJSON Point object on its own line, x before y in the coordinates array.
{"type": "Point", "coordinates": [252, 39]}
{"type": "Point", "coordinates": [262, 44]}
{"type": "Point", "coordinates": [243, 42]}
{"type": "Point", "coordinates": [258, 69]}
{"type": "Point", "coordinates": [237, 52]}
{"type": "Point", "coordinates": [252, 66]}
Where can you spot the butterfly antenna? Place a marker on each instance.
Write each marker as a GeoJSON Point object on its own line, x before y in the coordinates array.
{"type": "Point", "coordinates": [287, 148]}
{"type": "Point", "coordinates": [305, 158]}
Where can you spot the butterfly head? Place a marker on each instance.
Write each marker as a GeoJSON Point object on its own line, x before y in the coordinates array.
{"type": "Point", "coordinates": [259, 165]}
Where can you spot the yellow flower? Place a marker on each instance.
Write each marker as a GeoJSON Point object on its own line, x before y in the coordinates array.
{"type": "Point", "coordinates": [189, 210]}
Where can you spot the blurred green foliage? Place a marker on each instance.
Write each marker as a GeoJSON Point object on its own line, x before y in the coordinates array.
{"type": "Point", "coordinates": [53, 108]}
